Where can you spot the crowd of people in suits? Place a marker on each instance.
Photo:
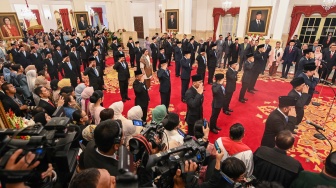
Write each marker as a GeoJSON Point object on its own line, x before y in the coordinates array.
{"type": "Point", "coordinates": [27, 92]}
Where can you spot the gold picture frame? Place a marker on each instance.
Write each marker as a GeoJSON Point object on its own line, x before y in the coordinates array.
{"type": "Point", "coordinates": [79, 24]}
{"type": "Point", "coordinates": [4, 123]}
{"type": "Point", "coordinates": [172, 19]}
{"type": "Point", "coordinates": [258, 20]}
{"type": "Point", "coordinates": [10, 26]}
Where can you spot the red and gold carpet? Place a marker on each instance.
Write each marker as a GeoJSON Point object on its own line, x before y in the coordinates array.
{"type": "Point", "coordinates": [253, 114]}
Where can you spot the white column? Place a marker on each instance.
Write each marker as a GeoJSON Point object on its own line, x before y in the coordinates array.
{"type": "Point", "coordinates": [244, 4]}
{"type": "Point", "coordinates": [201, 19]}
{"type": "Point", "coordinates": [187, 16]}
{"type": "Point", "coordinates": [78, 5]}
{"type": "Point", "coordinates": [109, 15]}
{"type": "Point", "coordinates": [128, 18]}
{"type": "Point", "coordinates": [280, 19]}
{"type": "Point", "coordinates": [181, 19]}
{"type": "Point", "coordinates": [6, 6]}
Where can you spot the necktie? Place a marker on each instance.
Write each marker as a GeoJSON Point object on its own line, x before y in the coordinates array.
{"type": "Point", "coordinates": [70, 66]}
{"type": "Point", "coordinates": [75, 54]}
{"type": "Point", "coordinates": [290, 49]}
{"type": "Point", "coordinates": [24, 53]}
{"type": "Point", "coordinates": [35, 55]}
{"type": "Point", "coordinates": [275, 55]}
{"type": "Point", "coordinates": [96, 71]}
{"type": "Point", "coordinates": [223, 89]}
{"type": "Point", "coordinates": [170, 44]}
{"type": "Point", "coordinates": [258, 23]}
{"type": "Point", "coordinates": [167, 72]}
{"type": "Point", "coordinates": [97, 59]}
{"type": "Point", "coordinates": [237, 47]}
{"type": "Point", "coordinates": [331, 54]}
{"type": "Point", "coordinates": [84, 48]}
{"type": "Point", "coordinates": [51, 61]}
{"type": "Point", "coordinates": [60, 53]}
{"type": "Point", "coordinates": [132, 45]}
{"type": "Point", "coordinates": [144, 87]}
{"type": "Point", "coordinates": [286, 117]}
{"type": "Point", "coordinates": [244, 46]}
{"type": "Point", "coordinates": [215, 53]}
{"type": "Point", "coordinates": [229, 43]}
{"type": "Point", "coordinates": [204, 60]}
{"type": "Point", "coordinates": [51, 103]}
{"type": "Point", "coordinates": [163, 56]}
{"type": "Point", "coordinates": [123, 64]}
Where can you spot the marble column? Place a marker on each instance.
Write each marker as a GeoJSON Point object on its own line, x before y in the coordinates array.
{"type": "Point", "coordinates": [6, 6]}
{"type": "Point", "coordinates": [244, 4]}
{"type": "Point", "coordinates": [280, 19]}
{"type": "Point", "coordinates": [187, 16]}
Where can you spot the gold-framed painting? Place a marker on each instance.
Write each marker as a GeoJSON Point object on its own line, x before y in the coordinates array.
{"type": "Point", "coordinates": [258, 20]}
{"type": "Point", "coordinates": [4, 123]}
{"type": "Point", "coordinates": [10, 26]}
{"type": "Point", "coordinates": [172, 19]}
{"type": "Point", "coordinates": [82, 20]}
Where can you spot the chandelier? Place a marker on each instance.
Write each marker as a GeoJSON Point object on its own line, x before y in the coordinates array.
{"type": "Point", "coordinates": [328, 4]}
{"type": "Point", "coordinates": [226, 5]}
{"type": "Point", "coordinates": [27, 13]}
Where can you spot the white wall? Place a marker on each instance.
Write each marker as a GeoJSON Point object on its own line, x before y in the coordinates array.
{"type": "Point", "coordinates": [135, 7]}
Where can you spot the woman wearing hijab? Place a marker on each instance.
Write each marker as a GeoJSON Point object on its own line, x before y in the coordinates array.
{"type": "Point", "coordinates": [135, 114]}
{"type": "Point", "coordinates": [146, 67]}
{"type": "Point", "coordinates": [78, 91]}
{"type": "Point", "coordinates": [85, 102]}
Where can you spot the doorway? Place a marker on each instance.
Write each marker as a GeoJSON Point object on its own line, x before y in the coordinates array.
{"type": "Point", "coordinates": [138, 26]}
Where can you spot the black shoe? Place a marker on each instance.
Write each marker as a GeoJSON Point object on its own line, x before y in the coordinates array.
{"type": "Point", "coordinates": [177, 75]}
{"type": "Point", "coordinates": [218, 128]}
{"type": "Point", "coordinates": [230, 110]}
{"type": "Point", "coordinates": [210, 83]}
{"type": "Point", "coordinates": [184, 101]}
{"type": "Point", "coordinates": [254, 89]}
{"type": "Point", "coordinates": [316, 92]}
{"type": "Point", "coordinates": [128, 99]}
{"type": "Point", "coordinates": [250, 91]}
{"type": "Point", "coordinates": [227, 113]}
{"type": "Point", "coordinates": [245, 99]}
{"type": "Point", "coordinates": [124, 100]}
{"type": "Point", "coordinates": [214, 131]}
{"type": "Point", "coordinates": [242, 101]}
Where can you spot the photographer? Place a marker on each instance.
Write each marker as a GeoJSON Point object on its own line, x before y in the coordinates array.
{"type": "Point", "coordinates": [92, 178]}
{"type": "Point", "coordinates": [171, 131]}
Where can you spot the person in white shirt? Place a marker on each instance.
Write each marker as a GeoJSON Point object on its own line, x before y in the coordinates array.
{"type": "Point", "coordinates": [171, 125]}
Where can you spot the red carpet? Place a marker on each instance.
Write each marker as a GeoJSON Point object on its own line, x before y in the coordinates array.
{"type": "Point", "coordinates": [252, 114]}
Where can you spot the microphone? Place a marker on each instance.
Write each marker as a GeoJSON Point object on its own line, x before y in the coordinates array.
{"type": "Point", "coordinates": [327, 82]}
{"type": "Point", "coordinates": [315, 125]}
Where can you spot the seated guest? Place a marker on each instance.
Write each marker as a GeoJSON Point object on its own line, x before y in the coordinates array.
{"type": "Point", "coordinates": [128, 127]}
{"type": "Point", "coordinates": [87, 134]}
{"type": "Point", "coordinates": [171, 126]}
{"type": "Point", "coordinates": [78, 92]}
{"type": "Point", "coordinates": [12, 101]}
{"type": "Point", "coordinates": [42, 118]}
{"type": "Point", "coordinates": [68, 90]}
{"type": "Point", "coordinates": [234, 147]}
{"type": "Point", "coordinates": [85, 102]}
{"type": "Point", "coordinates": [69, 105]}
{"type": "Point", "coordinates": [326, 178]}
{"type": "Point", "coordinates": [93, 177]}
{"type": "Point", "coordinates": [282, 118]}
{"type": "Point", "coordinates": [100, 152]}
{"type": "Point", "coordinates": [45, 102]}
{"type": "Point", "coordinates": [273, 164]}
{"type": "Point", "coordinates": [55, 89]}
{"type": "Point", "coordinates": [95, 108]}
{"type": "Point", "coordinates": [80, 118]}
{"type": "Point", "coordinates": [41, 81]}
{"type": "Point", "coordinates": [106, 114]}
{"type": "Point", "coordinates": [135, 114]}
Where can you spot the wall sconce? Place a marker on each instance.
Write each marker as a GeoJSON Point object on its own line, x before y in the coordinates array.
{"type": "Point", "coordinates": [160, 11]}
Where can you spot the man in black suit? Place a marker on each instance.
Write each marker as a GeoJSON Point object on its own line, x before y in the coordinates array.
{"type": "Point", "coordinates": [165, 85]}
{"type": "Point", "coordinates": [69, 69]}
{"type": "Point", "coordinates": [52, 66]}
{"type": "Point", "coordinates": [114, 44]}
{"type": "Point", "coordinates": [208, 43]}
{"type": "Point", "coordinates": [257, 25]}
{"type": "Point", "coordinates": [121, 67]}
{"type": "Point", "coordinates": [178, 56]}
{"type": "Point", "coordinates": [230, 87]}
{"type": "Point", "coordinates": [185, 73]}
{"type": "Point", "coordinates": [130, 46]}
{"type": "Point", "coordinates": [172, 23]}
{"type": "Point", "coordinates": [257, 67]}
{"type": "Point", "coordinates": [327, 41]}
{"type": "Point", "coordinates": [162, 55]}
{"type": "Point", "coordinates": [300, 54]}
{"type": "Point", "coordinates": [138, 54]}
{"type": "Point", "coordinates": [23, 57]}
{"type": "Point", "coordinates": [13, 101]}
{"type": "Point", "coordinates": [95, 79]}
{"type": "Point", "coordinates": [75, 40]}
{"type": "Point", "coordinates": [117, 53]}
{"type": "Point", "coordinates": [288, 58]}
{"type": "Point", "coordinates": [212, 62]}
{"type": "Point", "coordinates": [15, 52]}
{"type": "Point", "coordinates": [155, 52]}
{"type": "Point", "coordinates": [308, 57]}
{"type": "Point", "coordinates": [244, 49]}
{"type": "Point", "coordinates": [89, 31]}
{"type": "Point", "coordinates": [227, 50]}
{"type": "Point", "coordinates": [99, 62]}
{"type": "Point", "coordinates": [268, 49]}
{"type": "Point", "coordinates": [58, 42]}
{"type": "Point", "coordinates": [67, 48]}
{"type": "Point", "coordinates": [234, 49]}
{"type": "Point", "coordinates": [247, 76]}
{"type": "Point", "coordinates": [36, 59]}
{"type": "Point", "coordinates": [75, 57]}
{"type": "Point", "coordinates": [192, 49]}
{"type": "Point", "coordinates": [58, 55]}
{"type": "Point", "coordinates": [300, 92]}
{"type": "Point", "coordinates": [84, 53]}
{"type": "Point", "coordinates": [297, 42]}
{"type": "Point", "coordinates": [194, 98]}
{"type": "Point", "coordinates": [168, 50]}
{"type": "Point", "coordinates": [45, 102]}
{"type": "Point", "coordinates": [282, 118]}
{"type": "Point", "coordinates": [141, 93]}
{"type": "Point", "coordinates": [218, 93]}
{"type": "Point", "coordinates": [185, 43]}
{"type": "Point", "coordinates": [88, 43]}
{"type": "Point", "coordinates": [330, 58]}
{"type": "Point", "coordinates": [201, 63]}
{"type": "Point", "coordinates": [308, 76]}
{"type": "Point", "coordinates": [82, 23]}
{"type": "Point", "coordinates": [45, 49]}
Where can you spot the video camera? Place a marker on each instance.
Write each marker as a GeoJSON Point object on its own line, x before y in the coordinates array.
{"type": "Point", "coordinates": [165, 164]}
{"type": "Point", "coordinates": [49, 143]}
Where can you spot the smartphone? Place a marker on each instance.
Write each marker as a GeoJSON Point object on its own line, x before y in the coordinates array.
{"type": "Point", "coordinates": [217, 147]}
{"type": "Point", "coordinates": [137, 123]}
{"type": "Point", "coordinates": [205, 122]}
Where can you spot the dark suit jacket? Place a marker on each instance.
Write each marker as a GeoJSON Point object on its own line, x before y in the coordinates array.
{"type": "Point", "coordinates": [301, 102]}
{"type": "Point", "coordinates": [164, 78]}
{"type": "Point", "coordinates": [301, 64]}
{"type": "Point", "coordinates": [212, 58]}
{"type": "Point", "coordinates": [185, 43]}
{"type": "Point", "coordinates": [234, 51]}
{"type": "Point", "coordinates": [66, 72]}
{"type": "Point", "coordinates": [15, 55]}
{"type": "Point", "coordinates": [162, 56]}
{"type": "Point", "coordinates": [95, 81]}
{"type": "Point", "coordinates": [172, 24]}
{"type": "Point", "coordinates": [325, 42]}
{"type": "Point", "coordinates": [218, 95]}
{"type": "Point", "coordinates": [186, 68]}
{"type": "Point", "coordinates": [259, 62]}
{"type": "Point", "coordinates": [255, 28]}
{"type": "Point", "coordinates": [51, 69]}
{"type": "Point", "coordinates": [114, 47]}
{"type": "Point", "coordinates": [178, 53]}
{"type": "Point", "coordinates": [48, 107]}
{"type": "Point", "coordinates": [207, 46]}
{"type": "Point", "coordinates": [311, 82]}
{"type": "Point", "coordinates": [59, 43]}
{"type": "Point", "coordinates": [84, 54]}
{"type": "Point", "coordinates": [231, 79]}
{"type": "Point", "coordinates": [330, 61]}
{"type": "Point", "coordinates": [138, 53]}
{"type": "Point", "coordinates": [299, 56]}
{"type": "Point", "coordinates": [37, 61]}
{"type": "Point", "coordinates": [130, 47]}
{"type": "Point", "coordinates": [194, 105]}
{"type": "Point", "coordinates": [154, 49]}
{"type": "Point", "coordinates": [275, 123]}
{"type": "Point", "coordinates": [74, 58]}
{"type": "Point", "coordinates": [201, 64]}
{"type": "Point", "coordinates": [200, 46]}
{"type": "Point", "coordinates": [9, 103]}
{"type": "Point", "coordinates": [123, 73]}
{"type": "Point", "coordinates": [168, 49]}
{"type": "Point", "coordinates": [227, 48]}
{"type": "Point", "coordinates": [289, 57]}
{"type": "Point", "coordinates": [23, 60]}
{"type": "Point", "coordinates": [141, 94]}
{"type": "Point", "coordinates": [242, 52]}
{"type": "Point", "coordinates": [247, 75]}
{"type": "Point", "coordinates": [57, 56]}
{"type": "Point", "coordinates": [75, 42]}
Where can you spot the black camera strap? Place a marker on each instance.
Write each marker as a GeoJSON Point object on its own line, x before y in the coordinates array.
{"type": "Point", "coordinates": [14, 176]}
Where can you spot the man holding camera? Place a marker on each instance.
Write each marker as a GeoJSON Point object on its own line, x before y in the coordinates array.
{"type": "Point", "coordinates": [194, 98]}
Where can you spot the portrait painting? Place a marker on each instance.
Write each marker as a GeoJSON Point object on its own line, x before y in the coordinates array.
{"type": "Point", "coordinates": [172, 19]}
{"type": "Point", "coordinates": [10, 26]}
{"type": "Point", "coordinates": [258, 20]}
{"type": "Point", "coordinates": [82, 20]}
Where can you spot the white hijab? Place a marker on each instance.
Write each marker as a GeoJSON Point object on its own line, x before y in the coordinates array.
{"type": "Point", "coordinates": [31, 77]}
